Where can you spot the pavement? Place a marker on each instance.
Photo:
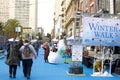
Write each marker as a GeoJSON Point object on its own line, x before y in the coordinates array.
{"type": "Point", "coordinates": [46, 71]}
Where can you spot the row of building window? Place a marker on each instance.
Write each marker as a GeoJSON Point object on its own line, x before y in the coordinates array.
{"type": "Point", "coordinates": [105, 4]}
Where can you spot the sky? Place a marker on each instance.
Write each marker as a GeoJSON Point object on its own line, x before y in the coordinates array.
{"type": "Point", "coordinates": [46, 15]}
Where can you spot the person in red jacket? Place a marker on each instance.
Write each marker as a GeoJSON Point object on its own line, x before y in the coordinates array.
{"type": "Point", "coordinates": [68, 51]}
{"type": "Point", "coordinates": [46, 51]}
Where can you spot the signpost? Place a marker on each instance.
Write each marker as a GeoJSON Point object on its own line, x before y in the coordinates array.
{"type": "Point", "coordinates": [17, 30]}
{"type": "Point", "coordinates": [77, 53]}
{"type": "Point", "coordinates": [77, 48]}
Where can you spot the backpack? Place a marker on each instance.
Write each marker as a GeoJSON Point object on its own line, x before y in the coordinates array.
{"type": "Point", "coordinates": [27, 51]}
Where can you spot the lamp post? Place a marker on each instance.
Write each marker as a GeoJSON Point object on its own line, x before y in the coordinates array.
{"type": "Point", "coordinates": [76, 47]}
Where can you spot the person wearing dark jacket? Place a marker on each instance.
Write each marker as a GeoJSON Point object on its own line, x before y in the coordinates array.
{"type": "Point", "coordinates": [36, 46]}
{"type": "Point", "coordinates": [20, 44]}
{"type": "Point", "coordinates": [13, 54]}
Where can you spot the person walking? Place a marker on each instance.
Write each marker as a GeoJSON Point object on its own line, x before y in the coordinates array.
{"type": "Point", "coordinates": [28, 52]}
{"type": "Point", "coordinates": [19, 46]}
{"type": "Point", "coordinates": [36, 46]}
{"type": "Point", "coordinates": [46, 51]}
{"type": "Point", "coordinates": [13, 55]}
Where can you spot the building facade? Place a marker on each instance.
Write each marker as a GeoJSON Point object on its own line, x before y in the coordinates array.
{"type": "Point", "coordinates": [116, 4]}
{"type": "Point", "coordinates": [25, 11]}
{"type": "Point", "coordinates": [41, 31]}
{"type": "Point", "coordinates": [52, 33]}
{"type": "Point", "coordinates": [69, 9]}
{"type": "Point", "coordinates": [4, 10]}
{"type": "Point", "coordinates": [91, 8]}
{"type": "Point", "coordinates": [57, 18]}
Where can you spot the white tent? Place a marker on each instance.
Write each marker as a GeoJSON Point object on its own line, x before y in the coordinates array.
{"type": "Point", "coordinates": [55, 40]}
{"type": "Point", "coordinates": [77, 37]}
{"type": "Point", "coordinates": [33, 40]}
{"type": "Point", "coordinates": [70, 40]}
{"type": "Point", "coordinates": [12, 39]}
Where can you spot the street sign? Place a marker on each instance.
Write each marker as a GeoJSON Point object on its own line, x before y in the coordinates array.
{"type": "Point", "coordinates": [77, 51]}
{"type": "Point", "coordinates": [18, 29]}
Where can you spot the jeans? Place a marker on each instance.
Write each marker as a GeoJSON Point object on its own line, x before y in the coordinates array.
{"type": "Point", "coordinates": [12, 70]}
{"type": "Point", "coordinates": [27, 65]}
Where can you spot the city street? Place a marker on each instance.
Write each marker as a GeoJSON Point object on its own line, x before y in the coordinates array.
{"type": "Point", "coordinates": [46, 71]}
{"type": "Point", "coordinates": [86, 30]}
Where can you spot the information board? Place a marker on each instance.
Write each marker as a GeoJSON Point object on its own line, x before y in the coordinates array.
{"type": "Point", "coordinates": [77, 52]}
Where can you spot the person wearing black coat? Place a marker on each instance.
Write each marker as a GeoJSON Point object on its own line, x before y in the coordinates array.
{"type": "Point", "coordinates": [13, 54]}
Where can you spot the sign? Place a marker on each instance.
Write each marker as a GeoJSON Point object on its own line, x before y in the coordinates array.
{"type": "Point", "coordinates": [18, 29]}
{"type": "Point", "coordinates": [77, 51]}
{"type": "Point", "coordinates": [101, 31]}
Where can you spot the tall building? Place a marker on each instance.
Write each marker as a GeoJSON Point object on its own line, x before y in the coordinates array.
{"type": "Point", "coordinates": [69, 8]}
{"type": "Point", "coordinates": [57, 17]}
{"type": "Point", "coordinates": [23, 10]}
{"type": "Point", "coordinates": [116, 6]}
{"type": "Point", "coordinates": [26, 13]}
{"type": "Point", "coordinates": [4, 10]}
{"type": "Point", "coordinates": [41, 31]}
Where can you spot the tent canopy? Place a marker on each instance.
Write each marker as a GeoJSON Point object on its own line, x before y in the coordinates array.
{"type": "Point", "coordinates": [12, 39]}
{"type": "Point", "coordinates": [33, 40]}
{"type": "Point", "coordinates": [70, 40]}
{"type": "Point", "coordinates": [77, 37]}
{"type": "Point", "coordinates": [55, 40]}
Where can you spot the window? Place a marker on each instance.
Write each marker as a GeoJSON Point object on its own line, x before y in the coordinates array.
{"type": "Point", "coordinates": [104, 4]}
{"type": "Point", "coordinates": [117, 6]}
{"type": "Point", "coordinates": [92, 8]}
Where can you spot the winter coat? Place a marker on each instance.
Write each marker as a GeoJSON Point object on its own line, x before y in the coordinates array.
{"type": "Point", "coordinates": [47, 50]}
{"type": "Point", "coordinates": [13, 55]}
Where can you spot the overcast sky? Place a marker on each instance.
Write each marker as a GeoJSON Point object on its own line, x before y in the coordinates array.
{"type": "Point", "coordinates": [46, 14]}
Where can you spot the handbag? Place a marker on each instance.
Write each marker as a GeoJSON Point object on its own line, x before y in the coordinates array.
{"type": "Point", "coordinates": [8, 61]}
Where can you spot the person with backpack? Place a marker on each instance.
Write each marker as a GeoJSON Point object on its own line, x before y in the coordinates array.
{"type": "Point", "coordinates": [28, 52]}
{"type": "Point", "coordinates": [13, 56]}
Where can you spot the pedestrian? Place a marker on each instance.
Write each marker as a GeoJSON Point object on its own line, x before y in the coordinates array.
{"type": "Point", "coordinates": [13, 55]}
{"type": "Point", "coordinates": [36, 46]}
{"type": "Point", "coordinates": [46, 51]}
{"type": "Point", "coordinates": [28, 52]}
{"type": "Point", "coordinates": [68, 51]}
{"type": "Point", "coordinates": [20, 44]}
